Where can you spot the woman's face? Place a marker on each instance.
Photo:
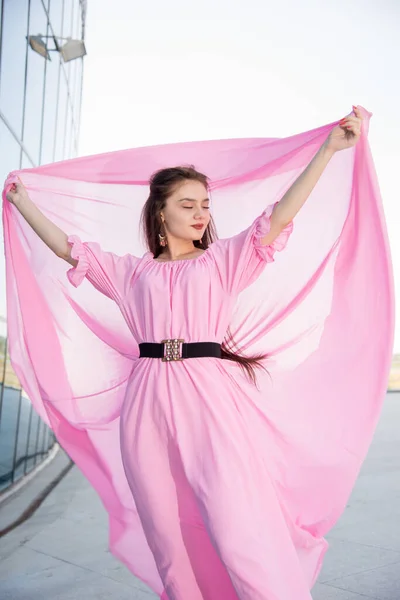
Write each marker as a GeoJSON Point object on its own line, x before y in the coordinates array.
{"type": "Point", "coordinates": [186, 213]}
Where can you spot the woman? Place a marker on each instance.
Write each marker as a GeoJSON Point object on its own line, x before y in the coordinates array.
{"type": "Point", "coordinates": [194, 443]}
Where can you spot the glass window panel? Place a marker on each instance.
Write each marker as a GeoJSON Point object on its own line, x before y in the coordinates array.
{"type": "Point", "coordinates": [50, 110]}
{"type": "Point", "coordinates": [56, 14]}
{"type": "Point", "coordinates": [41, 442]}
{"type": "Point", "coordinates": [10, 156]}
{"type": "Point", "coordinates": [77, 24]}
{"type": "Point", "coordinates": [3, 346]}
{"type": "Point", "coordinates": [3, 358]}
{"type": "Point", "coordinates": [50, 440]}
{"type": "Point", "coordinates": [28, 433]}
{"type": "Point", "coordinates": [10, 152]}
{"type": "Point", "coordinates": [26, 162]}
{"type": "Point", "coordinates": [30, 463]}
{"type": "Point", "coordinates": [77, 91]}
{"type": "Point", "coordinates": [61, 119]}
{"type": "Point", "coordinates": [72, 78]}
{"type": "Point", "coordinates": [45, 445]}
{"type": "Point", "coordinates": [35, 82]}
{"type": "Point", "coordinates": [46, 441]}
{"type": "Point", "coordinates": [74, 82]}
{"type": "Point", "coordinates": [22, 438]}
{"type": "Point", "coordinates": [8, 430]}
{"type": "Point", "coordinates": [13, 59]}
{"type": "Point", "coordinates": [70, 135]}
{"type": "Point", "coordinates": [67, 137]}
{"type": "Point", "coordinates": [67, 29]}
{"type": "Point", "coordinates": [68, 18]}
{"type": "Point", "coordinates": [10, 378]}
{"type": "Point", "coordinates": [37, 441]}
{"type": "Point", "coordinates": [3, 312]}
{"type": "Point", "coordinates": [74, 143]}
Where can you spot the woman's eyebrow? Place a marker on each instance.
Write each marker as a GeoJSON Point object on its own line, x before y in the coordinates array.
{"type": "Point", "coordinates": [193, 200]}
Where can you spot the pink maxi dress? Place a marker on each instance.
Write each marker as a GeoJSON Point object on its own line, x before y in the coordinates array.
{"type": "Point", "coordinates": [202, 485]}
{"type": "Point", "coordinates": [215, 488]}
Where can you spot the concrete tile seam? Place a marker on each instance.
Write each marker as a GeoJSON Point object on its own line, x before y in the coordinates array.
{"type": "Point", "coordinates": [337, 587]}
{"type": "Point", "coordinates": [327, 581]}
{"type": "Point", "coordinates": [88, 569]}
{"type": "Point", "coordinates": [340, 539]}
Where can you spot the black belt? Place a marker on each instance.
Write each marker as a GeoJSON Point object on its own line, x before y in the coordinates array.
{"type": "Point", "coordinates": [172, 350]}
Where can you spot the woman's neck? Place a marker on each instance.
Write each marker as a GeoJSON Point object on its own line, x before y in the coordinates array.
{"type": "Point", "coordinates": [167, 255]}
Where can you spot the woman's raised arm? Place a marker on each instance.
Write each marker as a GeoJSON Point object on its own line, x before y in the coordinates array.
{"type": "Point", "coordinates": [343, 136]}
{"type": "Point", "coordinates": [52, 236]}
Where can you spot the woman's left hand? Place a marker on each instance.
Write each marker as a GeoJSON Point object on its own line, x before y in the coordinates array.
{"type": "Point", "coordinates": [347, 133]}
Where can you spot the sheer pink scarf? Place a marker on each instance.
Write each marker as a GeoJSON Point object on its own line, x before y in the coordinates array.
{"type": "Point", "coordinates": [323, 310]}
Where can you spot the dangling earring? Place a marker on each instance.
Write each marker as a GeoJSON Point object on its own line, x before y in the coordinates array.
{"type": "Point", "coordinates": [162, 239]}
{"type": "Point", "coordinates": [201, 241]}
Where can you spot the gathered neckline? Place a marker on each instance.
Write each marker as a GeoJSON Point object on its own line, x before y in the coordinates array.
{"type": "Point", "coordinates": [177, 261]}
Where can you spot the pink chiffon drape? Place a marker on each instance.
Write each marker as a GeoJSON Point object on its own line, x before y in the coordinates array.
{"type": "Point", "coordinates": [322, 310]}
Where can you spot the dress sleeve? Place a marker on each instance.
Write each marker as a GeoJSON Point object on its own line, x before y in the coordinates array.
{"type": "Point", "coordinates": [242, 258]}
{"type": "Point", "coordinates": [107, 272]}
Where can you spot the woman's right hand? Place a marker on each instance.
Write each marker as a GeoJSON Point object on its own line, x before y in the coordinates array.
{"type": "Point", "coordinates": [17, 193]}
{"type": "Point", "coordinates": [54, 237]}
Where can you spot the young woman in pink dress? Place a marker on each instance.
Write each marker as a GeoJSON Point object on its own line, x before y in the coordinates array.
{"type": "Point", "coordinates": [193, 445]}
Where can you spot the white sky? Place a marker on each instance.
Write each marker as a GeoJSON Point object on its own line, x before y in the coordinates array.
{"type": "Point", "coordinates": [167, 71]}
{"type": "Point", "coordinates": [172, 71]}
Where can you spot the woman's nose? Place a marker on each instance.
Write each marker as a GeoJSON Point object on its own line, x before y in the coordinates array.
{"type": "Point", "coordinates": [199, 213]}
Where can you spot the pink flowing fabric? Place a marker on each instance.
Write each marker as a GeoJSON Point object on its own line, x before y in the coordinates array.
{"type": "Point", "coordinates": [215, 488]}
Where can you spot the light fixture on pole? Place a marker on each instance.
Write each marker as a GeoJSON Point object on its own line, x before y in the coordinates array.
{"type": "Point", "coordinates": [38, 45]}
{"type": "Point", "coordinates": [71, 50]}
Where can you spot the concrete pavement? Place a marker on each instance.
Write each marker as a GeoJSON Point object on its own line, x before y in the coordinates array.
{"type": "Point", "coordinates": [61, 553]}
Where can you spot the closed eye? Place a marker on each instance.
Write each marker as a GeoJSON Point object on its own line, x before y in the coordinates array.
{"type": "Point", "coordinates": [190, 207]}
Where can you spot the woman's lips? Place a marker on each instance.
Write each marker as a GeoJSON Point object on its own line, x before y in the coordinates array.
{"type": "Point", "coordinates": [198, 226]}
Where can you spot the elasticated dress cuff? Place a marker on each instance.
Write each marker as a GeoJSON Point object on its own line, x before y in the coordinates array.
{"type": "Point", "coordinates": [78, 251]}
{"type": "Point", "coordinates": [261, 228]}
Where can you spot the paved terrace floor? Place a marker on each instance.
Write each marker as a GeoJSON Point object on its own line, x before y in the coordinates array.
{"type": "Point", "coordinates": [61, 553]}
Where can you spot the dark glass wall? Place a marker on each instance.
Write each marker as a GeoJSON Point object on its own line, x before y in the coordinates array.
{"type": "Point", "coordinates": [39, 123]}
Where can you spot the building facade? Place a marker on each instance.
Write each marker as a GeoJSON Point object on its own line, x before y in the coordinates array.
{"type": "Point", "coordinates": [40, 104]}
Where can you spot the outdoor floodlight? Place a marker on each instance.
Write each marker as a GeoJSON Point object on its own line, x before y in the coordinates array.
{"type": "Point", "coordinates": [71, 50]}
{"type": "Point", "coordinates": [38, 45]}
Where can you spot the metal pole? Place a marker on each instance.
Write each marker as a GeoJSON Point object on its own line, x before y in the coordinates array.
{"type": "Point", "coordinates": [16, 437]}
{"type": "Point", "coordinates": [26, 80]}
{"type": "Point", "coordinates": [3, 380]}
{"type": "Point", "coordinates": [1, 29]}
{"type": "Point", "coordinates": [46, 445]}
{"type": "Point", "coordinates": [43, 97]}
{"type": "Point", "coordinates": [28, 439]}
{"type": "Point", "coordinates": [37, 439]}
{"type": "Point", "coordinates": [43, 440]}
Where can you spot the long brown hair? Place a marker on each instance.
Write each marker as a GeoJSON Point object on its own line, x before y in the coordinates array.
{"type": "Point", "coordinates": [162, 185]}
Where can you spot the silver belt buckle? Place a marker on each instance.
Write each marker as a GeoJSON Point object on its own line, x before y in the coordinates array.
{"type": "Point", "coordinates": [172, 350]}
